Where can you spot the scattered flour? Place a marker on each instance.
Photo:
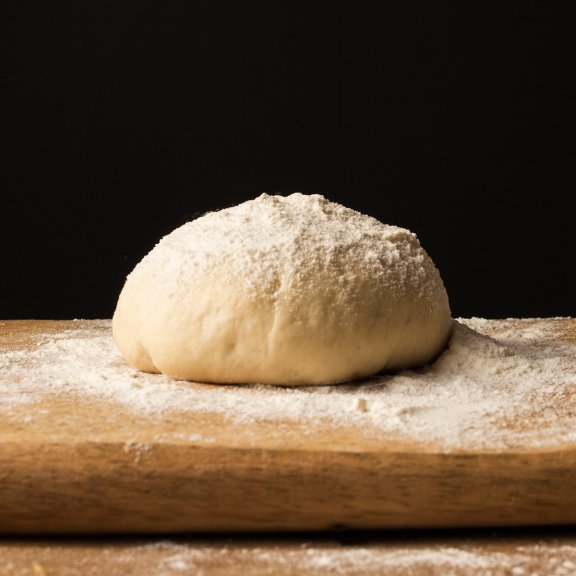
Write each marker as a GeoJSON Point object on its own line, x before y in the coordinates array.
{"type": "Point", "coordinates": [533, 556]}
{"type": "Point", "coordinates": [495, 376]}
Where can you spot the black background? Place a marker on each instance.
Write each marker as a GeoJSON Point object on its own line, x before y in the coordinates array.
{"type": "Point", "coordinates": [123, 120]}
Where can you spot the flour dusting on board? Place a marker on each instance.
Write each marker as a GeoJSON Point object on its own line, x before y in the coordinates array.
{"type": "Point", "coordinates": [519, 558]}
{"type": "Point", "coordinates": [534, 556]}
{"type": "Point", "coordinates": [495, 377]}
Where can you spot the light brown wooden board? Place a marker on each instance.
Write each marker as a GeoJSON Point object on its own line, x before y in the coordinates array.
{"type": "Point", "coordinates": [92, 467]}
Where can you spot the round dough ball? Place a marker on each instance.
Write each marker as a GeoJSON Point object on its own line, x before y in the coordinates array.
{"type": "Point", "coordinates": [283, 290]}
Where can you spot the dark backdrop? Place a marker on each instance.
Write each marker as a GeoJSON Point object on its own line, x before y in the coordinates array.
{"type": "Point", "coordinates": [124, 119]}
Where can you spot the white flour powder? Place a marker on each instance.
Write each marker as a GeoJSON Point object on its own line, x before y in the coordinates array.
{"type": "Point", "coordinates": [299, 232]}
{"type": "Point", "coordinates": [534, 556]}
{"type": "Point", "coordinates": [500, 384]}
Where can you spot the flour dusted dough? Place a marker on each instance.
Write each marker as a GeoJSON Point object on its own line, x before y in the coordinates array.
{"type": "Point", "coordinates": [283, 290]}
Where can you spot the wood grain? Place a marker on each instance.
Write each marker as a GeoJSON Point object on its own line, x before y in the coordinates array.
{"type": "Point", "coordinates": [83, 468]}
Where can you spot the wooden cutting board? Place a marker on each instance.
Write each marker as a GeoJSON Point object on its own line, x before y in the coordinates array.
{"type": "Point", "coordinates": [88, 445]}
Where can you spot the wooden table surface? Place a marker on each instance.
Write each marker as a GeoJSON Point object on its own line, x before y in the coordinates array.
{"type": "Point", "coordinates": [525, 552]}
{"type": "Point", "coordinates": [77, 468]}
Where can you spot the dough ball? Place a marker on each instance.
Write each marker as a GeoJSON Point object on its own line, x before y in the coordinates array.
{"type": "Point", "coordinates": [283, 290]}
